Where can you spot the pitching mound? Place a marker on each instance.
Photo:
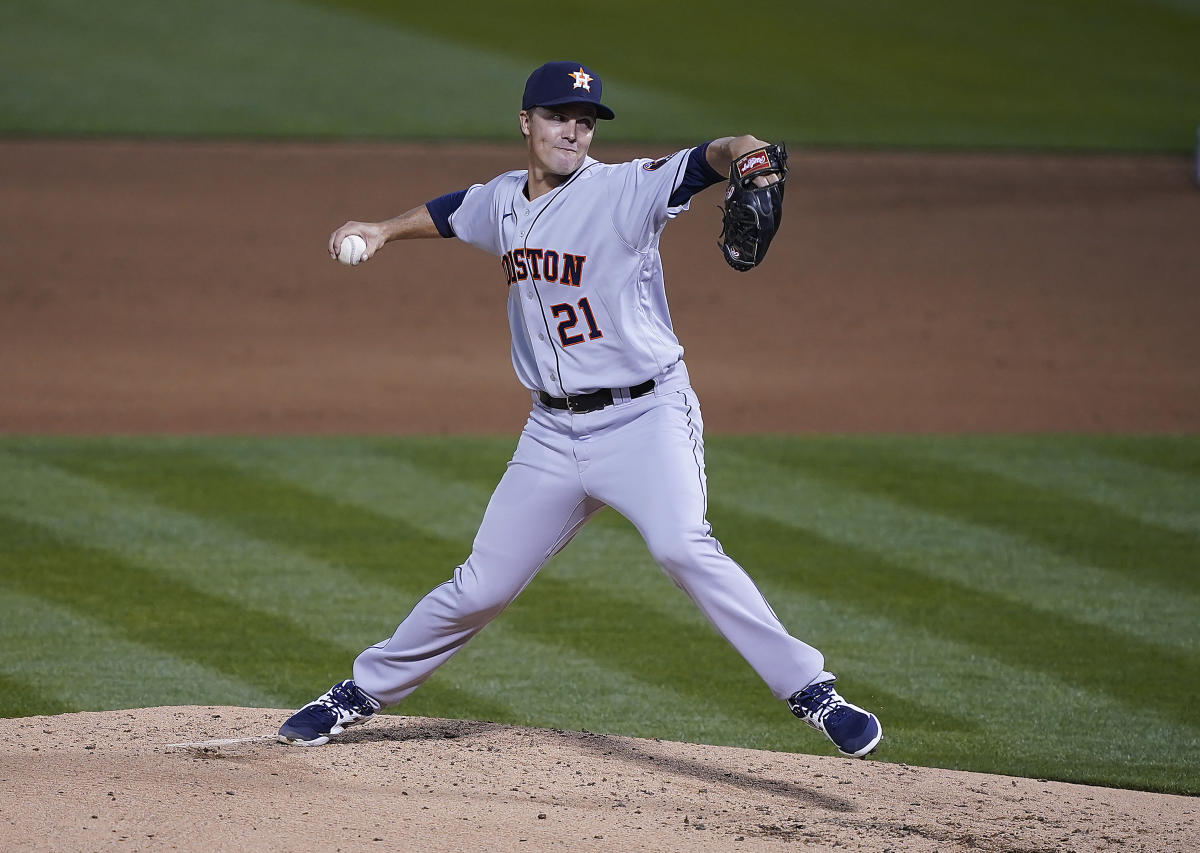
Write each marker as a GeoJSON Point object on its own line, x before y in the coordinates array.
{"type": "Point", "coordinates": [213, 778]}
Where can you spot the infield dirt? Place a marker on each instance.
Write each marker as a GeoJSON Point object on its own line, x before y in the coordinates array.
{"type": "Point", "coordinates": [147, 779]}
{"type": "Point", "coordinates": [159, 287]}
{"type": "Point", "coordinates": [185, 288]}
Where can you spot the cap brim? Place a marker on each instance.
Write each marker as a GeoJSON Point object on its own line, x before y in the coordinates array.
{"type": "Point", "coordinates": [601, 110]}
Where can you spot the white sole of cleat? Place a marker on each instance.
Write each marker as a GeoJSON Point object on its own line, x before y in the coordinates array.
{"type": "Point", "coordinates": [321, 741]}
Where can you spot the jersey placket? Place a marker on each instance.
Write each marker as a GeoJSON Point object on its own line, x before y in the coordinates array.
{"type": "Point", "coordinates": [537, 325]}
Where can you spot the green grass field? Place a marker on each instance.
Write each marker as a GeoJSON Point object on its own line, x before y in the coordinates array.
{"type": "Point", "coordinates": [1067, 74]}
{"type": "Point", "coordinates": [1020, 605]}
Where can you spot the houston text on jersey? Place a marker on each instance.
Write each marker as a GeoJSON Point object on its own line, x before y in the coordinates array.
{"type": "Point", "coordinates": [543, 265]}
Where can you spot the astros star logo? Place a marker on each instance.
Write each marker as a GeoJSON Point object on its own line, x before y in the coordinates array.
{"type": "Point", "coordinates": [582, 78]}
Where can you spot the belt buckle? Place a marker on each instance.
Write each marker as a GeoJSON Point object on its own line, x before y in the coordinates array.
{"type": "Point", "coordinates": [579, 407]}
{"type": "Point", "coordinates": [583, 404]}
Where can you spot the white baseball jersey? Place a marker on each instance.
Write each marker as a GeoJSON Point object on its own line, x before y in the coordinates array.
{"type": "Point", "coordinates": [587, 309]}
{"type": "Point", "coordinates": [587, 306]}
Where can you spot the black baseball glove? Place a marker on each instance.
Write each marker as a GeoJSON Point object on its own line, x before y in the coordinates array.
{"type": "Point", "coordinates": [752, 212]}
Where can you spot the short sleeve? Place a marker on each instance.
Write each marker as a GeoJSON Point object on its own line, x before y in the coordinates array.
{"type": "Point", "coordinates": [641, 196]}
{"type": "Point", "coordinates": [476, 221]}
{"type": "Point", "coordinates": [442, 208]}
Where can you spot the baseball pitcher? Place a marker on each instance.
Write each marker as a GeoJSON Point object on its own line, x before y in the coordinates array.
{"type": "Point", "coordinates": [614, 420]}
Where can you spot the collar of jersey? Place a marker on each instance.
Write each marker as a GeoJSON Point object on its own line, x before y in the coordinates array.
{"type": "Point", "coordinates": [520, 198]}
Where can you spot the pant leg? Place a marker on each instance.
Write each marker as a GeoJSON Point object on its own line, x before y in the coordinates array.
{"type": "Point", "coordinates": [651, 470]}
{"type": "Point", "coordinates": [537, 507]}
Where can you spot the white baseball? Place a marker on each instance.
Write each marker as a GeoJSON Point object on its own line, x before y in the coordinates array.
{"type": "Point", "coordinates": [351, 250]}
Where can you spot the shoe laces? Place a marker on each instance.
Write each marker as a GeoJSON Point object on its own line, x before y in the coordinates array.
{"type": "Point", "coordinates": [816, 703]}
{"type": "Point", "coordinates": [346, 697]}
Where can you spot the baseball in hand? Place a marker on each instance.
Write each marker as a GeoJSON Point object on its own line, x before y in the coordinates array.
{"type": "Point", "coordinates": [351, 250]}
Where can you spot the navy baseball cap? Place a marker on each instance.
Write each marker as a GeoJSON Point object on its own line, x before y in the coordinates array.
{"type": "Point", "coordinates": [564, 83]}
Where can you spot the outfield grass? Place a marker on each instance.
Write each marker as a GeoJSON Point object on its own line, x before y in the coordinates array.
{"type": "Point", "coordinates": [1015, 605]}
{"type": "Point", "coordinates": [1062, 74]}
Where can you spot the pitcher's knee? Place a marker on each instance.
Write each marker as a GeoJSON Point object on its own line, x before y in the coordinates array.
{"type": "Point", "coordinates": [683, 552]}
{"type": "Point", "coordinates": [474, 598]}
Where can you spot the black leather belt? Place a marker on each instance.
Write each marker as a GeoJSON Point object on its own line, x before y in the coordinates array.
{"type": "Point", "coordinates": [583, 403]}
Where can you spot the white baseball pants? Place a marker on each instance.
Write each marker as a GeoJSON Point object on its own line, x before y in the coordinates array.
{"type": "Point", "coordinates": [645, 459]}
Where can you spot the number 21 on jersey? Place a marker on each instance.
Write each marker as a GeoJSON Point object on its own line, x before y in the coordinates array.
{"type": "Point", "coordinates": [571, 320]}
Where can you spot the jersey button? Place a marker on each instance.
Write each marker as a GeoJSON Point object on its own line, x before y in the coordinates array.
{"type": "Point", "coordinates": [541, 337]}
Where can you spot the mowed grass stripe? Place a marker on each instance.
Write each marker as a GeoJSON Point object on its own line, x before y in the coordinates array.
{"type": "Point", "coordinates": [214, 559]}
{"type": "Point", "coordinates": [1172, 454]}
{"type": "Point", "coordinates": [1024, 684]}
{"type": "Point", "coordinates": [994, 716]}
{"type": "Point", "coordinates": [265, 82]}
{"type": "Point", "coordinates": [150, 609]}
{"type": "Point", "coordinates": [610, 558]}
{"type": "Point", "coordinates": [288, 520]}
{"type": "Point", "coordinates": [227, 551]}
{"type": "Point", "coordinates": [1138, 491]}
{"type": "Point", "coordinates": [78, 662]}
{"type": "Point", "coordinates": [566, 678]}
{"type": "Point", "coordinates": [271, 78]}
{"type": "Point", "coordinates": [367, 475]}
{"type": "Point", "coordinates": [555, 613]}
{"type": "Point", "coordinates": [607, 561]}
{"type": "Point", "coordinates": [919, 721]}
{"type": "Point", "coordinates": [1082, 531]}
{"type": "Point", "coordinates": [439, 500]}
{"type": "Point", "coordinates": [604, 580]}
{"type": "Point", "coordinates": [996, 562]}
{"type": "Point", "coordinates": [884, 661]}
{"type": "Point", "coordinates": [219, 559]}
{"type": "Point", "coordinates": [1089, 656]}
{"type": "Point", "coordinates": [297, 594]}
{"type": "Point", "coordinates": [23, 697]}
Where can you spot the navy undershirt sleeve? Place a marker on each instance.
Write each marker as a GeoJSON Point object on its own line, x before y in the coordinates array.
{"type": "Point", "coordinates": [697, 176]}
{"type": "Point", "coordinates": [442, 207]}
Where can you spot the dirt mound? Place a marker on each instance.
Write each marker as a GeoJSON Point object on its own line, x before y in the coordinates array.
{"type": "Point", "coordinates": [213, 778]}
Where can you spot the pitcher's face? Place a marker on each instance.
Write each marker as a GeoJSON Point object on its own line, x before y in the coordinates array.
{"type": "Point", "coordinates": [558, 137]}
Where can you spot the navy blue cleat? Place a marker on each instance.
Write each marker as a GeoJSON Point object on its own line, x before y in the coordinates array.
{"type": "Point", "coordinates": [328, 715]}
{"type": "Point", "coordinates": [854, 732]}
